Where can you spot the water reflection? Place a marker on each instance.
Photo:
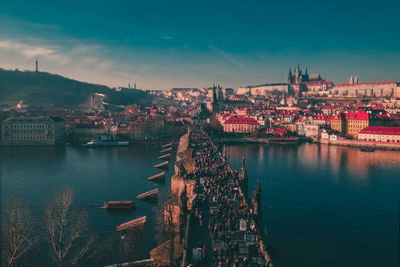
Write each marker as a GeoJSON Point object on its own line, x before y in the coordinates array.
{"type": "Point", "coordinates": [323, 204]}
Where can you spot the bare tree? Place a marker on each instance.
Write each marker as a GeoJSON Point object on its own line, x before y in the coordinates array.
{"type": "Point", "coordinates": [66, 229]}
{"type": "Point", "coordinates": [17, 231]}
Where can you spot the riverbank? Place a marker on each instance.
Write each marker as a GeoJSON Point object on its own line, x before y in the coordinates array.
{"type": "Point", "coordinates": [360, 144]}
{"type": "Point", "coordinates": [271, 140]}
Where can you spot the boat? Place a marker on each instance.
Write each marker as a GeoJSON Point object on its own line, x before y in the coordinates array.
{"type": "Point", "coordinates": [167, 145]}
{"type": "Point", "coordinates": [119, 205]}
{"type": "Point", "coordinates": [157, 177]}
{"type": "Point", "coordinates": [149, 195]}
{"type": "Point", "coordinates": [166, 150]}
{"type": "Point", "coordinates": [131, 224]}
{"type": "Point", "coordinates": [162, 165]}
{"type": "Point", "coordinates": [367, 149]}
{"type": "Point", "coordinates": [95, 143]}
{"type": "Point", "coordinates": [166, 156]}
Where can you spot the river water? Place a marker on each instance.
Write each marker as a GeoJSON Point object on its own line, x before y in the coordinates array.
{"type": "Point", "coordinates": [96, 175]}
{"type": "Point", "coordinates": [322, 205]}
{"type": "Point", "coordinates": [326, 205]}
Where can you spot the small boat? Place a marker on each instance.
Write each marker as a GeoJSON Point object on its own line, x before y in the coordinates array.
{"type": "Point", "coordinates": [95, 143]}
{"type": "Point", "coordinates": [152, 194]}
{"type": "Point", "coordinates": [119, 205]}
{"type": "Point", "coordinates": [162, 165]}
{"type": "Point", "coordinates": [131, 224]}
{"type": "Point", "coordinates": [167, 145]}
{"type": "Point", "coordinates": [166, 150]}
{"type": "Point", "coordinates": [367, 149]}
{"type": "Point", "coordinates": [166, 156]}
{"type": "Point", "coordinates": [157, 177]}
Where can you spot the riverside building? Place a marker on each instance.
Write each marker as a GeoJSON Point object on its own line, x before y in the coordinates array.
{"type": "Point", "coordinates": [43, 130]}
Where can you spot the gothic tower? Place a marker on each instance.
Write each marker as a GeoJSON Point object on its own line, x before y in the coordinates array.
{"type": "Point", "coordinates": [290, 76]}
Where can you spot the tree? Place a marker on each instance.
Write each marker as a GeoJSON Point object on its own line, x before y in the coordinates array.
{"type": "Point", "coordinates": [17, 231]}
{"type": "Point", "coordinates": [66, 229]}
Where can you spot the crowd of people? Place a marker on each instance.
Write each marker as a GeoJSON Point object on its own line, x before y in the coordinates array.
{"type": "Point", "coordinates": [230, 221]}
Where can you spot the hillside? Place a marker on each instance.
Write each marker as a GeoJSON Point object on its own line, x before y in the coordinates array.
{"type": "Point", "coordinates": [44, 88]}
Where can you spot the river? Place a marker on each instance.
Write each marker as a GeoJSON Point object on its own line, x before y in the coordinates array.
{"type": "Point", "coordinates": [96, 175]}
{"type": "Point", "coordinates": [326, 205]}
{"type": "Point", "coordinates": [322, 205]}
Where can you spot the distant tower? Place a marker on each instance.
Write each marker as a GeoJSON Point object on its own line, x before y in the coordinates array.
{"type": "Point", "coordinates": [37, 65]}
{"type": "Point", "coordinates": [129, 85]}
{"type": "Point", "coordinates": [290, 76]}
{"type": "Point", "coordinates": [356, 79]}
{"type": "Point", "coordinates": [351, 80]}
{"type": "Point", "coordinates": [134, 86]}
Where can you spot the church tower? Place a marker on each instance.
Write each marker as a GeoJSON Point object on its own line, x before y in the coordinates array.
{"type": "Point", "coordinates": [290, 76]}
{"type": "Point", "coordinates": [37, 65]}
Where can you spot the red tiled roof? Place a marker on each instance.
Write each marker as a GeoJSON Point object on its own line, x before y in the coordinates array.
{"type": "Point", "coordinates": [357, 116]}
{"type": "Point", "coordinates": [381, 130]}
{"type": "Point", "coordinates": [241, 120]}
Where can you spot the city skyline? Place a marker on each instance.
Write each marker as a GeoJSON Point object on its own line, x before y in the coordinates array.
{"type": "Point", "coordinates": [162, 45]}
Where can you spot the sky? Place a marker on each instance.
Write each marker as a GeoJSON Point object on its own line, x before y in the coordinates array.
{"type": "Point", "coordinates": [163, 44]}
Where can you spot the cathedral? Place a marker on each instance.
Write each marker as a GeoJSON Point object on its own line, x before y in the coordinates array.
{"type": "Point", "coordinates": [300, 82]}
{"type": "Point", "coordinates": [298, 77]}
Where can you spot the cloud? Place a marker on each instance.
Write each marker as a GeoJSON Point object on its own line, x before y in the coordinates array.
{"type": "Point", "coordinates": [32, 50]}
{"type": "Point", "coordinates": [230, 59]}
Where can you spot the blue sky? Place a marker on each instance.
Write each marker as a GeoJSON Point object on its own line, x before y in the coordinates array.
{"type": "Point", "coordinates": [164, 44]}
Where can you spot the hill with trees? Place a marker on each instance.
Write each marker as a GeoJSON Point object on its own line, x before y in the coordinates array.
{"type": "Point", "coordinates": [43, 88]}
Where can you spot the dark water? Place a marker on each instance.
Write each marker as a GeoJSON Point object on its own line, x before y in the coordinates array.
{"type": "Point", "coordinates": [96, 175]}
{"type": "Point", "coordinates": [326, 206]}
{"type": "Point", "coordinates": [323, 206]}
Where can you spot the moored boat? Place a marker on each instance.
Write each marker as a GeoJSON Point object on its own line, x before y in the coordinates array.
{"type": "Point", "coordinates": [367, 149]}
{"type": "Point", "coordinates": [131, 224]}
{"type": "Point", "coordinates": [162, 165]}
{"type": "Point", "coordinates": [166, 156]}
{"type": "Point", "coordinates": [119, 205]}
{"type": "Point", "coordinates": [166, 150]}
{"type": "Point", "coordinates": [149, 195]}
{"type": "Point", "coordinates": [95, 143]}
{"type": "Point", "coordinates": [167, 145]}
{"type": "Point", "coordinates": [157, 177]}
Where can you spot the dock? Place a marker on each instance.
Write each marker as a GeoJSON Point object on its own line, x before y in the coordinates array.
{"type": "Point", "coordinates": [162, 165]}
{"type": "Point", "coordinates": [157, 177]}
{"type": "Point", "coordinates": [152, 194]}
{"type": "Point", "coordinates": [166, 156]}
{"type": "Point", "coordinates": [166, 150]}
{"type": "Point", "coordinates": [167, 145]}
{"type": "Point", "coordinates": [131, 224]}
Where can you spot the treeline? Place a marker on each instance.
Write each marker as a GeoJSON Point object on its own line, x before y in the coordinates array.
{"type": "Point", "coordinates": [42, 88]}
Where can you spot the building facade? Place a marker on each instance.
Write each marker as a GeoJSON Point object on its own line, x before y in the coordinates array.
{"type": "Point", "coordinates": [350, 123]}
{"type": "Point", "coordinates": [264, 89]}
{"type": "Point", "coordinates": [240, 125]}
{"type": "Point", "coordinates": [33, 131]}
{"type": "Point", "coordinates": [377, 89]}
{"type": "Point", "coordinates": [380, 134]}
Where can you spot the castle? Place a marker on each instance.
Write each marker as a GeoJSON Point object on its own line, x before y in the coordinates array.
{"type": "Point", "coordinates": [299, 82]}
